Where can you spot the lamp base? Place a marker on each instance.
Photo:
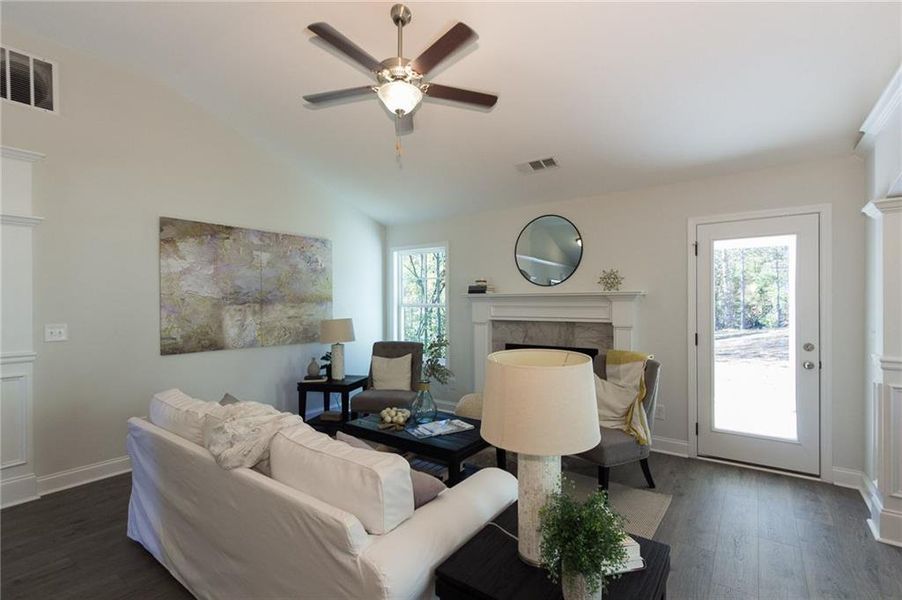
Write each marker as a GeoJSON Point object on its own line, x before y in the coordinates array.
{"type": "Point", "coordinates": [338, 361]}
{"type": "Point", "coordinates": [538, 477]}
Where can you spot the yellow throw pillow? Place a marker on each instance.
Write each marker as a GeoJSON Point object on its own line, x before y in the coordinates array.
{"type": "Point", "coordinates": [391, 373]}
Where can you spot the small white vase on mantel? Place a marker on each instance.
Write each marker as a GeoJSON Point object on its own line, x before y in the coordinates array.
{"type": "Point", "coordinates": [575, 587]}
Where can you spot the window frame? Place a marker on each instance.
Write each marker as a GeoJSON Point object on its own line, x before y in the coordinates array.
{"type": "Point", "coordinates": [397, 253]}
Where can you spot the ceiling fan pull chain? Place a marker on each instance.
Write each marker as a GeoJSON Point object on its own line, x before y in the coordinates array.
{"type": "Point", "coordinates": [398, 150]}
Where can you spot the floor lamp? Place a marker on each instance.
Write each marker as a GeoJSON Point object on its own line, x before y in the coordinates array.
{"type": "Point", "coordinates": [540, 404]}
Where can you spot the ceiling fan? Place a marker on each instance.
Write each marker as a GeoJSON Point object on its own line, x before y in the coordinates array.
{"type": "Point", "coordinates": [400, 81]}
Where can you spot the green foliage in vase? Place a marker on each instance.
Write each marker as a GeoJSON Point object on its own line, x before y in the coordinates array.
{"type": "Point", "coordinates": [581, 538]}
{"type": "Point", "coordinates": [434, 368]}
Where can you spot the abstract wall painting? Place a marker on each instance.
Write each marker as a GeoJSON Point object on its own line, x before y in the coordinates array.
{"type": "Point", "coordinates": [227, 287]}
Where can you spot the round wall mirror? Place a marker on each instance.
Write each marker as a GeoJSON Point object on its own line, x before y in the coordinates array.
{"type": "Point", "coordinates": [548, 250]}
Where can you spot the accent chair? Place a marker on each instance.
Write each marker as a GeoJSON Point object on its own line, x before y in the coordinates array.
{"type": "Point", "coordinates": [618, 447]}
{"type": "Point", "coordinates": [371, 400]}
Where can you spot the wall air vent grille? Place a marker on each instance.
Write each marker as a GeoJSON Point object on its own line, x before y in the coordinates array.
{"type": "Point", "coordinates": [28, 80]}
{"type": "Point", "coordinates": [540, 164]}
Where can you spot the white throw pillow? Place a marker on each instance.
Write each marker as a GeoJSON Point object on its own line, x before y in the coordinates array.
{"type": "Point", "coordinates": [373, 486]}
{"type": "Point", "coordinates": [179, 413]}
{"type": "Point", "coordinates": [391, 373]}
{"type": "Point", "coordinates": [613, 402]}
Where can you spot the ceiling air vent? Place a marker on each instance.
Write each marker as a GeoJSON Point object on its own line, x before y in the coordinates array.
{"type": "Point", "coordinates": [27, 80]}
{"type": "Point", "coordinates": [539, 164]}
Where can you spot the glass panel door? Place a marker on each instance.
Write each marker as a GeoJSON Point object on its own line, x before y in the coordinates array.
{"type": "Point", "coordinates": [758, 302]}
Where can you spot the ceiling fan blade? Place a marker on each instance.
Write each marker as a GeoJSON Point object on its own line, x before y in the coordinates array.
{"type": "Point", "coordinates": [331, 36]}
{"type": "Point", "coordinates": [404, 125]}
{"type": "Point", "coordinates": [456, 37]}
{"type": "Point", "coordinates": [339, 94]}
{"type": "Point", "coordinates": [455, 94]}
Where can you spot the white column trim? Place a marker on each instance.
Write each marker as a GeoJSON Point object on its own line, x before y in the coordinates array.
{"type": "Point", "coordinates": [13, 358]}
{"type": "Point", "coordinates": [21, 154]}
{"type": "Point", "coordinates": [20, 220]}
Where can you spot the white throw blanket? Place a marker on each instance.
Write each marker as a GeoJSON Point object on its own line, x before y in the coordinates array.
{"type": "Point", "coordinates": [238, 435]}
{"type": "Point", "coordinates": [621, 396]}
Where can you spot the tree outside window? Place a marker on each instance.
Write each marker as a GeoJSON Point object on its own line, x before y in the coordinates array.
{"type": "Point", "coordinates": [422, 309]}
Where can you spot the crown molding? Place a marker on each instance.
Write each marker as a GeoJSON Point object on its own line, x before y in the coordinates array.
{"type": "Point", "coordinates": [20, 154]}
{"type": "Point", "coordinates": [877, 208]}
{"type": "Point", "coordinates": [888, 102]}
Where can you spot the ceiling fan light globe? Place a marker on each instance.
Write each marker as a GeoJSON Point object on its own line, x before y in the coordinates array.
{"type": "Point", "coordinates": [400, 97]}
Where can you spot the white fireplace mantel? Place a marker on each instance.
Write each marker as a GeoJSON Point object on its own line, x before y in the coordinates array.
{"type": "Point", "coordinates": [620, 309]}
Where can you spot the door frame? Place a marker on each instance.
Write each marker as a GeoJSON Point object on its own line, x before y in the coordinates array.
{"type": "Point", "coordinates": [825, 241]}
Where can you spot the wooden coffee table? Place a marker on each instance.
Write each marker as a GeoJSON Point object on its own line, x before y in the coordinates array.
{"type": "Point", "coordinates": [449, 449]}
{"type": "Point", "coordinates": [487, 567]}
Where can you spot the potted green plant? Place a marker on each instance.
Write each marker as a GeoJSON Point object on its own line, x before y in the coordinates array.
{"type": "Point", "coordinates": [581, 542]}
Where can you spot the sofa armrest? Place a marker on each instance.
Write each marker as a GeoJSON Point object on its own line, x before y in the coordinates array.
{"type": "Point", "coordinates": [404, 560]}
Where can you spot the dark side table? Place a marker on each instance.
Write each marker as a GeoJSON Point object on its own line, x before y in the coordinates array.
{"type": "Point", "coordinates": [487, 568]}
{"type": "Point", "coordinates": [337, 386]}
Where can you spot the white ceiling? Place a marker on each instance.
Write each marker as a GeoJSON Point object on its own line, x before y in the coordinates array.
{"type": "Point", "coordinates": [623, 95]}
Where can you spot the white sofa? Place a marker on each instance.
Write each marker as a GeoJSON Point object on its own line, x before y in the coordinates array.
{"type": "Point", "coordinates": [240, 534]}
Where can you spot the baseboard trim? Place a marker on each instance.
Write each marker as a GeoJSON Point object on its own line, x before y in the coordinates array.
{"type": "Point", "coordinates": [850, 478]}
{"type": "Point", "coordinates": [18, 490]}
{"type": "Point", "coordinates": [664, 445]}
{"type": "Point", "coordinates": [63, 480]}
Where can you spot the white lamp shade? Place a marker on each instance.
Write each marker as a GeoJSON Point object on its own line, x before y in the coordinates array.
{"type": "Point", "coordinates": [399, 96]}
{"type": "Point", "coordinates": [336, 331]}
{"type": "Point", "coordinates": [540, 402]}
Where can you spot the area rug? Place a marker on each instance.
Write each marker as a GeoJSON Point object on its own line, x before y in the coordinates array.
{"type": "Point", "coordinates": [642, 509]}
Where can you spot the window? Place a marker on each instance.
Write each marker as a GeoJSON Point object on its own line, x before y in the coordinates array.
{"type": "Point", "coordinates": [421, 297]}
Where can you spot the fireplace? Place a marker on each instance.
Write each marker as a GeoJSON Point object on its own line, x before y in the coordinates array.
{"type": "Point", "coordinates": [592, 352]}
{"type": "Point", "coordinates": [592, 320]}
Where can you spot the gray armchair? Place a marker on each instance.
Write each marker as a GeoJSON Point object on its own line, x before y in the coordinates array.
{"type": "Point", "coordinates": [617, 447]}
{"type": "Point", "coordinates": [373, 401]}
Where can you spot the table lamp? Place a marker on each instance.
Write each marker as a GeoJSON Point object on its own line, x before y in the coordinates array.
{"type": "Point", "coordinates": [540, 404]}
{"type": "Point", "coordinates": [336, 331]}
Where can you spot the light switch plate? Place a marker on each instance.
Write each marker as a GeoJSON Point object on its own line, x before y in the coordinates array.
{"type": "Point", "coordinates": [659, 412]}
{"type": "Point", "coordinates": [56, 332]}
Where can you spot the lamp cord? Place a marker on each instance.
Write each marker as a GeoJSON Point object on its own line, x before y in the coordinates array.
{"type": "Point", "coordinates": [505, 531]}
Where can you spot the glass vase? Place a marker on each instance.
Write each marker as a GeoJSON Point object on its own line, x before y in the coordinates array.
{"type": "Point", "coordinates": [423, 409]}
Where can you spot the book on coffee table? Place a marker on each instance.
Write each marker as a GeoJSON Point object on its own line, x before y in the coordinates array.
{"type": "Point", "coordinates": [443, 427]}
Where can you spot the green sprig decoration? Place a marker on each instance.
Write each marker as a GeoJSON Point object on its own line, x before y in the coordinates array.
{"type": "Point", "coordinates": [581, 538]}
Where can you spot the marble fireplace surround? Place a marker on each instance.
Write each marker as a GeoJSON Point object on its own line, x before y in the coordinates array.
{"type": "Point", "coordinates": [618, 310]}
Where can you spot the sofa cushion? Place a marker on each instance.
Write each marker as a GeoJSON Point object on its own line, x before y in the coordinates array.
{"type": "Point", "coordinates": [616, 448]}
{"type": "Point", "coordinates": [179, 413]}
{"type": "Point", "coordinates": [373, 401]}
{"type": "Point", "coordinates": [373, 486]}
{"type": "Point", "coordinates": [391, 373]}
{"type": "Point", "coordinates": [426, 488]}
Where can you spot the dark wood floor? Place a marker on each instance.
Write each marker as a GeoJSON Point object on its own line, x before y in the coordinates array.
{"type": "Point", "coordinates": [733, 533]}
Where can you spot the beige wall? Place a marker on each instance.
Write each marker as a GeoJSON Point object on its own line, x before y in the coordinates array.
{"type": "Point", "coordinates": [122, 152]}
{"type": "Point", "coordinates": [644, 234]}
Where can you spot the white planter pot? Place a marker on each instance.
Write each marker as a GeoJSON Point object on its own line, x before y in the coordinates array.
{"type": "Point", "coordinates": [575, 588]}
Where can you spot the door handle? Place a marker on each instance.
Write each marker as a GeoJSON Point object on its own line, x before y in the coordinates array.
{"type": "Point", "coordinates": [808, 365]}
